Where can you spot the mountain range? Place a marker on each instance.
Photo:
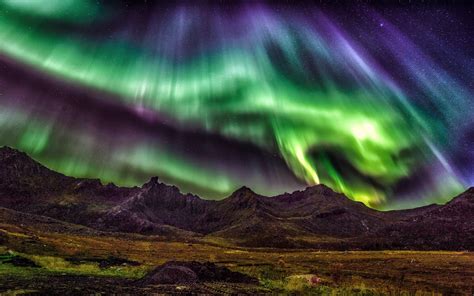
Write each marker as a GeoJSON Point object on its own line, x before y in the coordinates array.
{"type": "Point", "coordinates": [316, 217]}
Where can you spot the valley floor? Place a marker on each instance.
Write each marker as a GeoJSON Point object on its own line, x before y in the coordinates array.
{"type": "Point", "coordinates": [45, 256]}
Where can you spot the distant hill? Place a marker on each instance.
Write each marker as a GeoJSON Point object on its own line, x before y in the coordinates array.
{"type": "Point", "coordinates": [313, 218]}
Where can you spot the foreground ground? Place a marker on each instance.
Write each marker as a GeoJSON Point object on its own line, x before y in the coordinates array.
{"type": "Point", "coordinates": [56, 258]}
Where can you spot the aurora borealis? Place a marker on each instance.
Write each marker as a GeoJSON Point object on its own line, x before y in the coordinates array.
{"type": "Point", "coordinates": [375, 102]}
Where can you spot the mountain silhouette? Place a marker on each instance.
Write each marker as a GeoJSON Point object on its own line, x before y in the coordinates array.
{"type": "Point", "coordinates": [316, 217]}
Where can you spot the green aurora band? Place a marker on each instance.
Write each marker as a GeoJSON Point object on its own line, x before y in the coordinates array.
{"type": "Point", "coordinates": [235, 90]}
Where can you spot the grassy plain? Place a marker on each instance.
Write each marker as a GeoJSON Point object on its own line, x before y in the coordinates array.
{"type": "Point", "coordinates": [71, 261]}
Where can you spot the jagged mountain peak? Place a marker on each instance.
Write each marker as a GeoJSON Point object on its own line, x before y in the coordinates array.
{"type": "Point", "coordinates": [9, 153]}
{"type": "Point", "coordinates": [6, 150]}
{"type": "Point", "coordinates": [320, 189]}
{"type": "Point", "coordinates": [152, 182]}
{"type": "Point", "coordinates": [243, 191]}
{"type": "Point", "coordinates": [16, 165]}
{"type": "Point", "coordinates": [243, 195]}
{"type": "Point", "coordinates": [318, 192]}
{"type": "Point", "coordinates": [156, 189]}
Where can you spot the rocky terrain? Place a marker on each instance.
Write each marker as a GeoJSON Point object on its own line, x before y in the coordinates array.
{"type": "Point", "coordinates": [313, 218]}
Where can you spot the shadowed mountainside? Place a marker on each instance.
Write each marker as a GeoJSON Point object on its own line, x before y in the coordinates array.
{"type": "Point", "coordinates": [316, 217]}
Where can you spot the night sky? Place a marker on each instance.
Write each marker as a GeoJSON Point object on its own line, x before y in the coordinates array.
{"type": "Point", "coordinates": [375, 101]}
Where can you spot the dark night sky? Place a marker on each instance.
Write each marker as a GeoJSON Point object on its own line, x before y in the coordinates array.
{"type": "Point", "coordinates": [374, 100]}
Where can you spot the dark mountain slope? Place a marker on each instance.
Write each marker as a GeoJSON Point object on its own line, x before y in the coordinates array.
{"type": "Point", "coordinates": [21, 176]}
{"type": "Point", "coordinates": [450, 226]}
{"type": "Point", "coordinates": [314, 217]}
{"type": "Point", "coordinates": [27, 186]}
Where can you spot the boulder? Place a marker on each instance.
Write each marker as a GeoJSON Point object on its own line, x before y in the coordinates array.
{"type": "Point", "coordinates": [171, 275]}
{"type": "Point", "coordinates": [181, 272]}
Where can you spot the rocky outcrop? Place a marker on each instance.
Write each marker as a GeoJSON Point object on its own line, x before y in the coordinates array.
{"type": "Point", "coordinates": [316, 217]}
{"type": "Point", "coordinates": [190, 272]}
